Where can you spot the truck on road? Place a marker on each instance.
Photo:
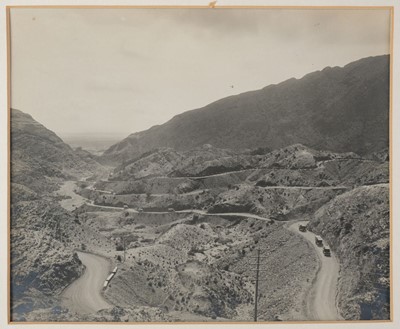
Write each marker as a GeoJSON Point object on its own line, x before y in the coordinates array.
{"type": "Point", "coordinates": [318, 241]}
{"type": "Point", "coordinates": [302, 228]}
{"type": "Point", "coordinates": [326, 251]}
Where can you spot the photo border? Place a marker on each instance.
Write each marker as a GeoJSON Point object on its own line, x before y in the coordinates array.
{"type": "Point", "coordinates": [208, 7]}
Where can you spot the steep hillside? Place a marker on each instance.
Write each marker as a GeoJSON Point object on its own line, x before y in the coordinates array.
{"type": "Point", "coordinates": [338, 109]}
{"type": "Point", "coordinates": [356, 226]}
{"type": "Point", "coordinates": [283, 184]}
{"type": "Point", "coordinates": [43, 262]}
{"type": "Point", "coordinates": [43, 235]}
{"type": "Point", "coordinates": [201, 161]}
{"type": "Point", "coordinates": [38, 155]}
{"type": "Point", "coordinates": [197, 268]}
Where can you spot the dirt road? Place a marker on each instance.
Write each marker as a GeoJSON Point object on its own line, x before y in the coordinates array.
{"type": "Point", "coordinates": [321, 303]}
{"type": "Point", "coordinates": [84, 294]}
{"type": "Point", "coordinates": [195, 211]}
{"type": "Point", "coordinates": [232, 214]}
{"type": "Point", "coordinates": [67, 189]}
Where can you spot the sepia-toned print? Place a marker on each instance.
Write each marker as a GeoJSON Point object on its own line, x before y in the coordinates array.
{"type": "Point", "coordinates": [199, 165]}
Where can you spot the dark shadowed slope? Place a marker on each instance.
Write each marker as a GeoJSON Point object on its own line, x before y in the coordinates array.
{"type": "Point", "coordinates": [337, 109]}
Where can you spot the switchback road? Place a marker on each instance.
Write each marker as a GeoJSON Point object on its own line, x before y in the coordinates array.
{"type": "Point", "coordinates": [194, 211]}
{"type": "Point", "coordinates": [84, 294]}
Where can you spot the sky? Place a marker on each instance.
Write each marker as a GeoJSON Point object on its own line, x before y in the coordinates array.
{"type": "Point", "coordinates": [113, 72]}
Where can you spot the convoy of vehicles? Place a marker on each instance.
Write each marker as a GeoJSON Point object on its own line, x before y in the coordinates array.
{"type": "Point", "coordinates": [318, 241]}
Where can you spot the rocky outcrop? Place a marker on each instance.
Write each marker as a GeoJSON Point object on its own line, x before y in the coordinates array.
{"type": "Point", "coordinates": [42, 264]}
{"type": "Point", "coordinates": [356, 226]}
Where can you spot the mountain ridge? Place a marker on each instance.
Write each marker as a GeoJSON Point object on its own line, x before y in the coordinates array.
{"type": "Point", "coordinates": [336, 109]}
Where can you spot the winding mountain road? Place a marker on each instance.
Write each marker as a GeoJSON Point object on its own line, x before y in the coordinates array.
{"type": "Point", "coordinates": [194, 211]}
{"type": "Point", "coordinates": [74, 200]}
{"type": "Point", "coordinates": [77, 200]}
{"type": "Point", "coordinates": [321, 303]}
{"type": "Point", "coordinates": [84, 294]}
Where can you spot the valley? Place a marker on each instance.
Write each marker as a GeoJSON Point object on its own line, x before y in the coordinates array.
{"type": "Point", "coordinates": [190, 244]}
{"type": "Point", "coordinates": [185, 245]}
{"type": "Point", "coordinates": [167, 224]}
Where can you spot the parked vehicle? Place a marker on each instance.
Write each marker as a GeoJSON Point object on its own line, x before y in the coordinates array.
{"type": "Point", "coordinates": [171, 209]}
{"type": "Point", "coordinates": [125, 206]}
{"type": "Point", "coordinates": [318, 241]}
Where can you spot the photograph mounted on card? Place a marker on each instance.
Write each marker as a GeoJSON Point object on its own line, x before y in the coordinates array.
{"type": "Point", "coordinates": [213, 164]}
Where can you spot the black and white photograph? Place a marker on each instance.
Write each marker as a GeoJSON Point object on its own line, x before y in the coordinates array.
{"type": "Point", "coordinates": [200, 165]}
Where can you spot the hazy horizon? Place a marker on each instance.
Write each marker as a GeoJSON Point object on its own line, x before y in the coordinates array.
{"type": "Point", "coordinates": [80, 138]}
{"type": "Point", "coordinates": [109, 72]}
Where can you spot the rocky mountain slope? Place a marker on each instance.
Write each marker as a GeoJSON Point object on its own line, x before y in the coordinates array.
{"type": "Point", "coordinates": [234, 156]}
{"type": "Point", "coordinates": [356, 226]}
{"type": "Point", "coordinates": [195, 267]}
{"type": "Point", "coordinates": [210, 161]}
{"type": "Point", "coordinates": [201, 161]}
{"type": "Point", "coordinates": [286, 183]}
{"type": "Point", "coordinates": [190, 267]}
{"type": "Point", "coordinates": [344, 194]}
{"type": "Point", "coordinates": [39, 156]}
{"type": "Point", "coordinates": [338, 109]}
{"type": "Point", "coordinates": [43, 234]}
{"type": "Point", "coordinates": [42, 258]}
